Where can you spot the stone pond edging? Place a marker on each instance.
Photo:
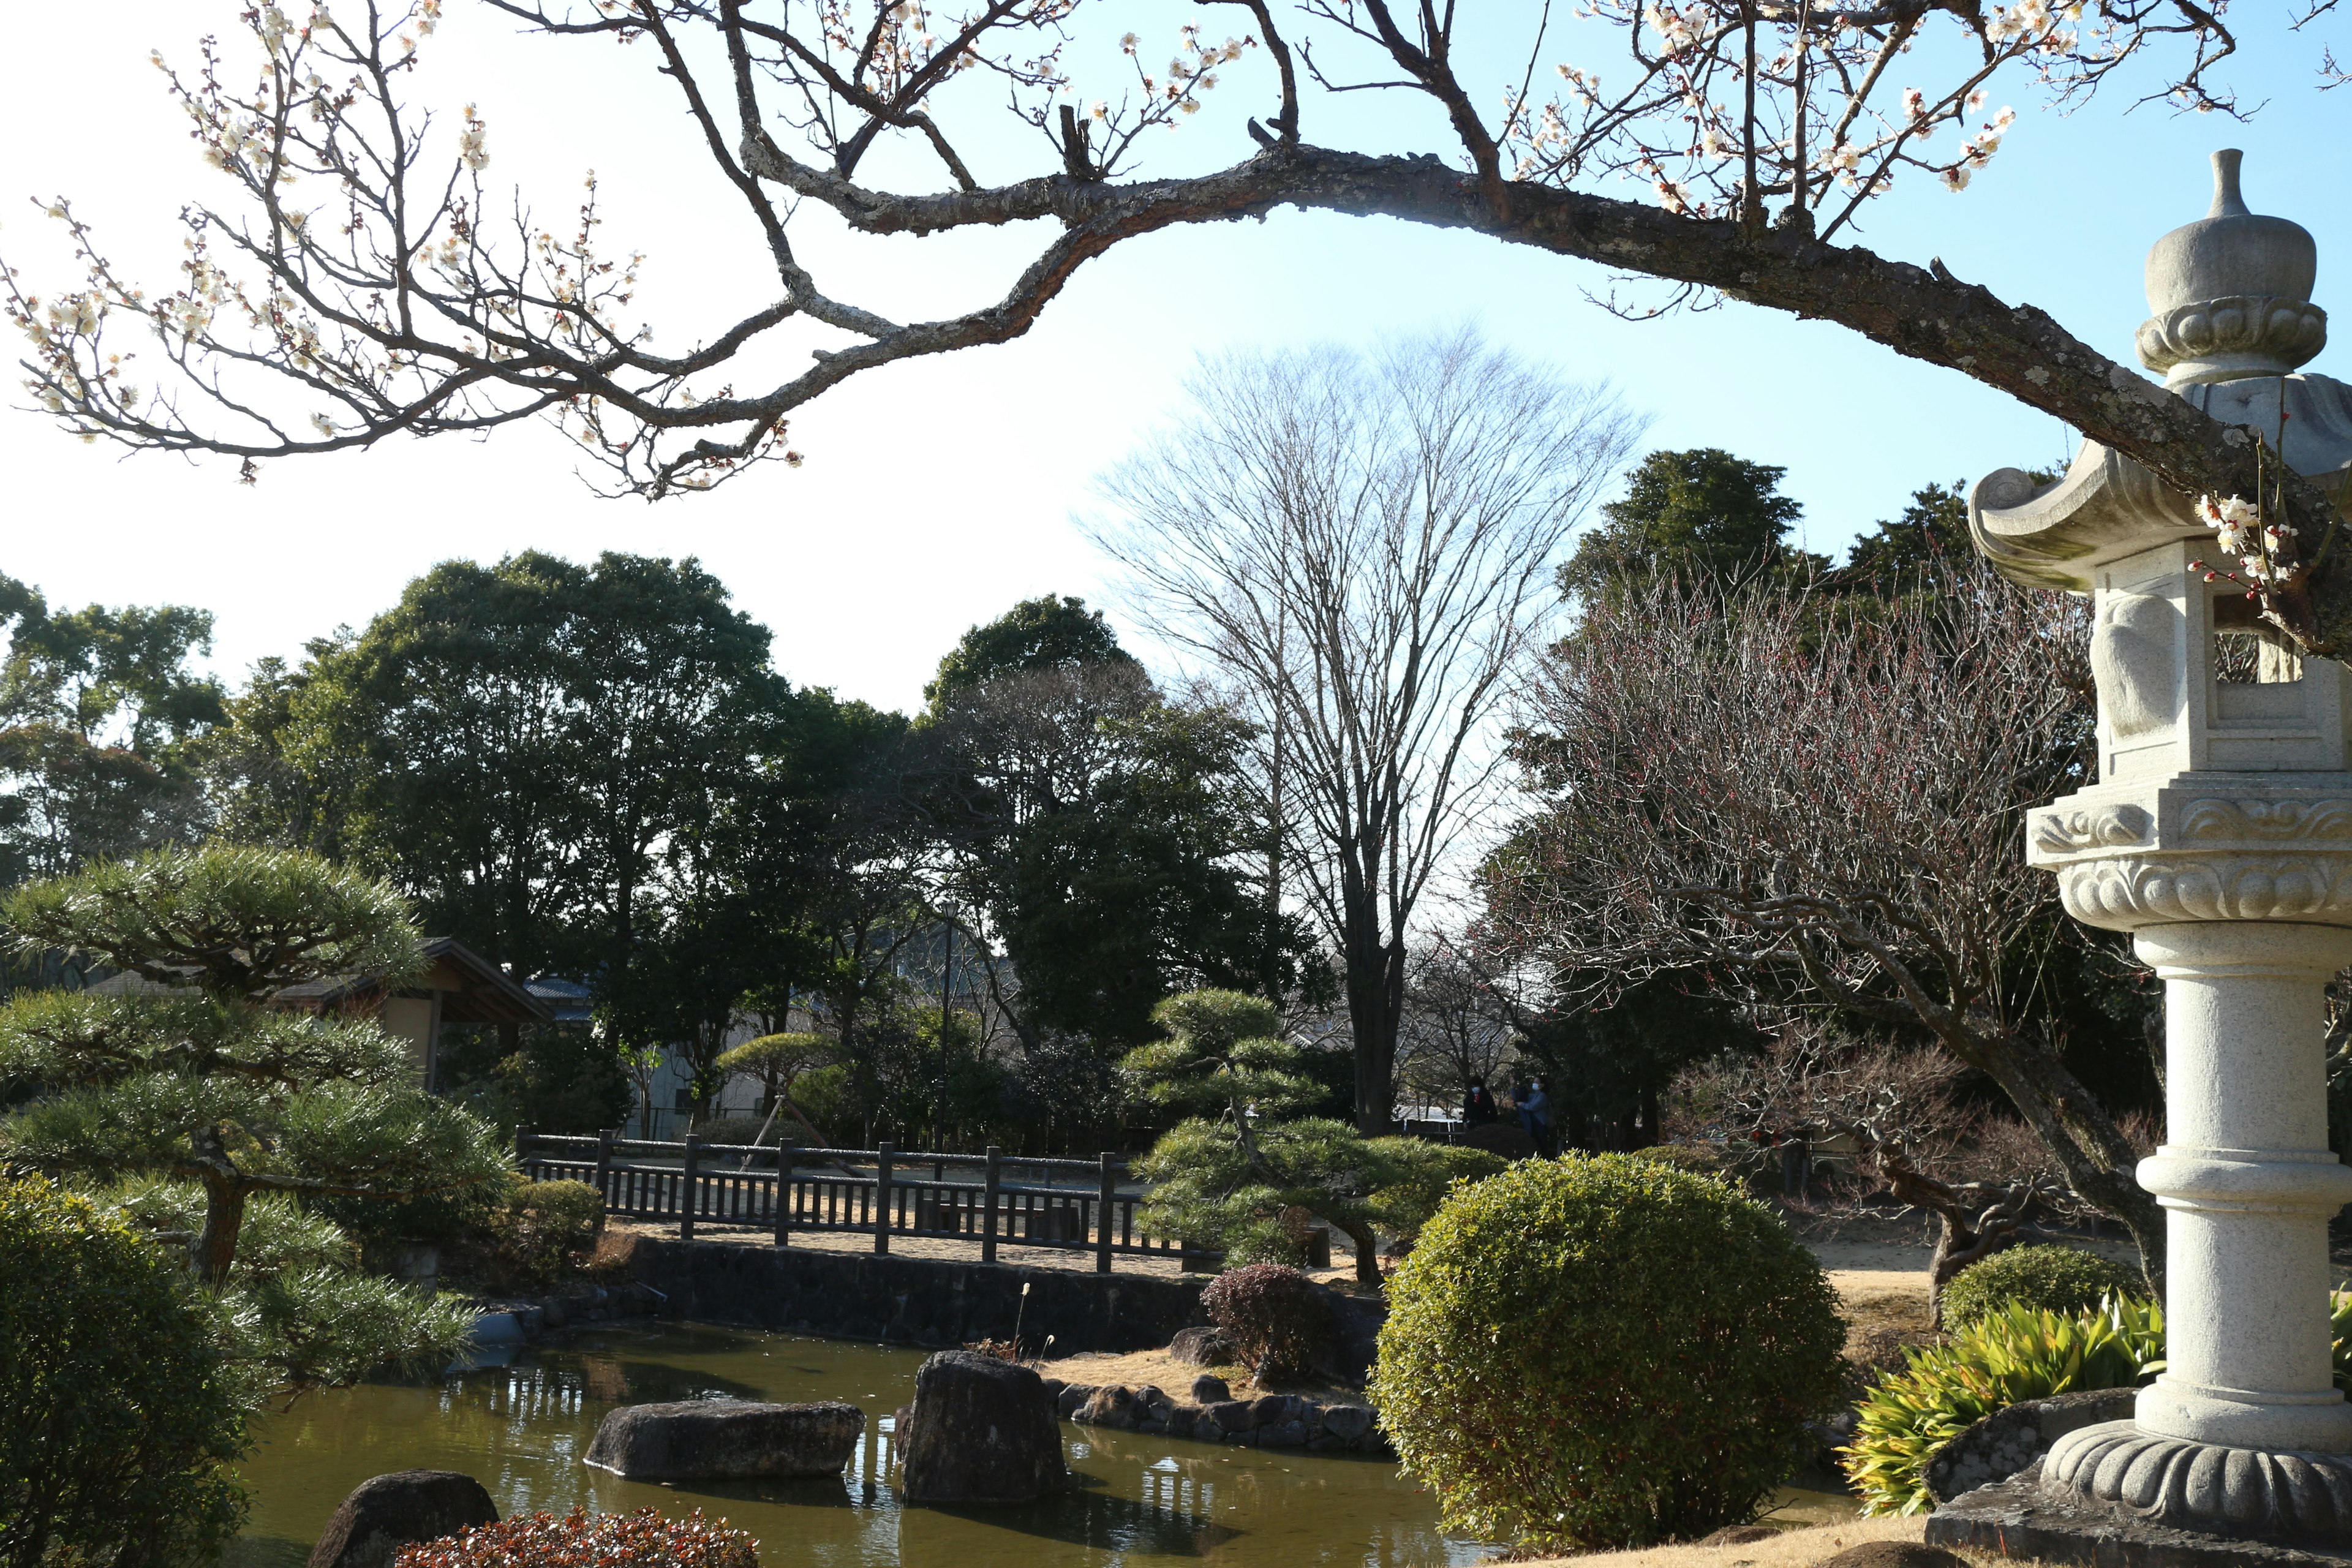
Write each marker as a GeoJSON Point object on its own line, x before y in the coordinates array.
{"type": "Point", "coordinates": [926, 1303]}
{"type": "Point", "coordinates": [1269, 1421]}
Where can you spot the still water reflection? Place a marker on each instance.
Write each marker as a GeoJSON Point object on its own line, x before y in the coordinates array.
{"type": "Point", "coordinates": [521, 1430]}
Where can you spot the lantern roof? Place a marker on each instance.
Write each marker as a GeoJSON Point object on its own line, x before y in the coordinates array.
{"type": "Point", "coordinates": [2232, 319]}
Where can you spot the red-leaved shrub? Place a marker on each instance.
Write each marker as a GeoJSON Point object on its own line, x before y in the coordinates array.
{"type": "Point", "coordinates": [646, 1539]}
{"type": "Point", "coordinates": [1275, 1320]}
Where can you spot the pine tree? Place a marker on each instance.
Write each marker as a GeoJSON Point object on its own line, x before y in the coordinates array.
{"type": "Point", "coordinates": [218, 1122]}
{"type": "Point", "coordinates": [1238, 1173]}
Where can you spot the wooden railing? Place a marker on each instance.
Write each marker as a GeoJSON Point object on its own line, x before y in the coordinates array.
{"type": "Point", "coordinates": [859, 1190]}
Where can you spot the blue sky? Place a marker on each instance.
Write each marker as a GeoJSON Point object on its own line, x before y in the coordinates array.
{"type": "Point", "coordinates": [936, 494]}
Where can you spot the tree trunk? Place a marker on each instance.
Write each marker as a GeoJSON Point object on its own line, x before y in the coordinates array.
{"type": "Point", "coordinates": [1375, 983]}
{"type": "Point", "coordinates": [1368, 1251]}
{"type": "Point", "coordinates": [2098, 1164]}
{"type": "Point", "coordinates": [224, 1218]}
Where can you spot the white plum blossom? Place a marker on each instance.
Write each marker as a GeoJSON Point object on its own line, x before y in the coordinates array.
{"type": "Point", "coordinates": [473, 150]}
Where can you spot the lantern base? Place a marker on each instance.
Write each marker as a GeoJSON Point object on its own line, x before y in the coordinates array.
{"type": "Point", "coordinates": [2205, 1506]}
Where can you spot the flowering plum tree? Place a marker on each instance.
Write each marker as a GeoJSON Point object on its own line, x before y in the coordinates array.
{"type": "Point", "coordinates": [396, 299]}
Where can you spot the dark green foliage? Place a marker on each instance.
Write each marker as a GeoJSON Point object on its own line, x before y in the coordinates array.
{"type": "Point", "coordinates": [557, 1078]}
{"type": "Point", "coordinates": [1700, 513]}
{"type": "Point", "coordinates": [2045, 1278]}
{"type": "Point", "coordinates": [1231, 1174]}
{"type": "Point", "coordinates": [1605, 1064]}
{"type": "Point", "coordinates": [1602, 1351]}
{"type": "Point", "coordinates": [120, 1423]}
{"type": "Point", "coordinates": [1242, 1172]}
{"type": "Point", "coordinates": [100, 719]}
{"type": "Point", "coordinates": [1276, 1321]}
{"type": "Point", "coordinates": [1929, 540]}
{"type": "Point", "coordinates": [1036, 634]}
{"type": "Point", "coordinates": [1109, 835]}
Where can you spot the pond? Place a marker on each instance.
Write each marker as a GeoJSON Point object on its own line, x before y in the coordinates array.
{"type": "Point", "coordinates": [521, 1429]}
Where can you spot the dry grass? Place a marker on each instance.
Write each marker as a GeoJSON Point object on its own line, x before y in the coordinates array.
{"type": "Point", "coordinates": [1135, 1368]}
{"type": "Point", "coordinates": [1883, 1307]}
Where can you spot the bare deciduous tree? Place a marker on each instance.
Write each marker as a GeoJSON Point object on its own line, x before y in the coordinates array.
{"type": "Point", "coordinates": [1365, 550]}
{"type": "Point", "coordinates": [1459, 1028]}
{"type": "Point", "coordinates": [408, 300]}
{"type": "Point", "coordinates": [1830, 794]}
{"type": "Point", "coordinates": [1896, 1106]}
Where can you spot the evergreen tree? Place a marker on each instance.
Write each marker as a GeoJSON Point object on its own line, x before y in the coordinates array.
{"type": "Point", "coordinates": [221, 1123]}
{"type": "Point", "coordinates": [99, 717]}
{"type": "Point", "coordinates": [1036, 634]}
{"type": "Point", "coordinates": [1698, 513]}
{"type": "Point", "coordinates": [1241, 1171]}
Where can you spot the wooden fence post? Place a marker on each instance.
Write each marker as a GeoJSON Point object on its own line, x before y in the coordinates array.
{"type": "Point", "coordinates": [988, 1220]}
{"type": "Point", "coordinates": [686, 1194]}
{"type": "Point", "coordinates": [882, 1198]}
{"type": "Point", "coordinates": [785, 1141]}
{"type": "Point", "coordinates": [604, 1139]}
{"type": "Point", "coordinates": [1102, 1216]}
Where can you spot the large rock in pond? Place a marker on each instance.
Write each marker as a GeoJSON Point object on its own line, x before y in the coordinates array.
{"type": "Point", "coordinates": [726, 1439]}
{"type": "Point", "coordinates": [388, 1512]}
{"type": "Point", "coordinates": [982, 1431]}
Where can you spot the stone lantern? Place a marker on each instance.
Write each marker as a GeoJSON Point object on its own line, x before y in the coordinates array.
{"type": "Point", "coordinates": [2220, 835]}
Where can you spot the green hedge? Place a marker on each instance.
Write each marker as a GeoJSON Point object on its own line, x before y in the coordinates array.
{"type": "Point", "coordinates": [1602, 1351]}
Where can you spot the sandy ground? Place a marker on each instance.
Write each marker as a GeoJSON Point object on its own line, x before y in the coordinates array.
{"type": "Point", "coordinates": [1790, 1549]}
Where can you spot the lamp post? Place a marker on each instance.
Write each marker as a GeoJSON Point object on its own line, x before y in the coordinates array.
{"type": "Point", "coordinates": [2220, 835]}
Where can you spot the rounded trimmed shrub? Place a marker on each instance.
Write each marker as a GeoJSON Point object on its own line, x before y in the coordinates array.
{"type": "Point", "coordinates": [121, 1420]}
{"type": "Point", "coordinates": [2040, 1278]}
{"type": "Point", "coordinates": [646, 1539]}
{"type": "Point", "coordinates": [543, 1226]}
{"type": "Point", "coordinates": [1277, 1323]}
{"type": "Point", "coordinates": [1601, 1352]}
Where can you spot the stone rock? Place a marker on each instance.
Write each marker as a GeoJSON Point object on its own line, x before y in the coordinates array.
{"type": "Point", "coordinates": [980, 1433]}
{"type": "Point", "coordinates": [1737, 1535]}
{"type": "Point", "coordinates": [1233, 1414]}
{"type": "Point", "coordinates": [1208, 1388]}
{"type": "Point", "coordinates": [1200, 1347]}
{"type": "Point", "coordinates": [1110, 1405]}
{"type": "Point", "coordinates": [1894, 1554]}
{"type": "Point", "coordinates": [725, 1439]}
{"type": "Point", "coordinates": [2006, 1441]}
{"type": "Point", "coordinates": [387, 1513]}
{"type": "Point", "coordinates": [1273, 1409]}
{"type": "Point", "coordinates": [1347, 1422]}
{"type": "Point", "coordinates": [1072, 1395]}
{"type": "Point", "coordinates": [1285, 1435]}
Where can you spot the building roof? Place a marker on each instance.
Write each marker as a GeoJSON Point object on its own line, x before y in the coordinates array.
{"type": "Point", "coordinates": [567, 1000]}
